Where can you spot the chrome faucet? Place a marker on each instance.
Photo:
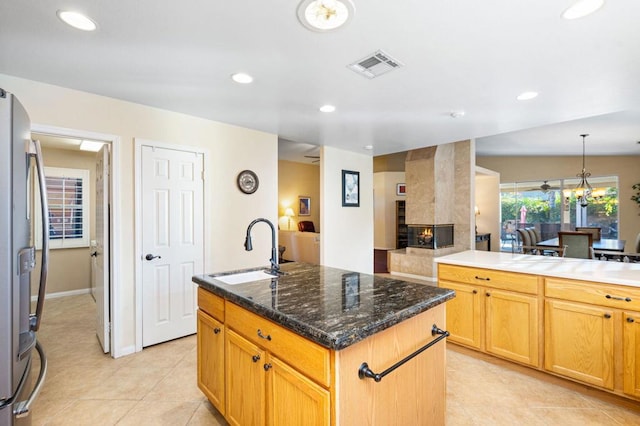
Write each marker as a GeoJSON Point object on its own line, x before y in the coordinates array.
{"type": "Point", "coordinates": [275, 267]}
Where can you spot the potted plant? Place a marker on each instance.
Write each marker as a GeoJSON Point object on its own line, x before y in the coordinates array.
{"type": "Point", "coordinates": [636, 197]}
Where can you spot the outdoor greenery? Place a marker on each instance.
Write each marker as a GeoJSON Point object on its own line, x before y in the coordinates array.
{"type": "Point", "coordinates": [636, 196]}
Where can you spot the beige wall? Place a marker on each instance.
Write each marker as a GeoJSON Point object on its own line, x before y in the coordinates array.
{"type": "Point", "coordinates": [294, 180]}
{"type": "Point", "coordinates": [347, 232]}
{"type": "Point", "coordinates": [229, 210]}
{"type": "Point", "coordinates": [384, 213]}
{"type": "Point", "coordinates": [70, 269]}
{"type": "Point", "coordinates": [627, 168]}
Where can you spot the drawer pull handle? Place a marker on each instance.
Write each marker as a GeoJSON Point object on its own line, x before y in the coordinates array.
{"type": "Point", "coordinates": [482, 278]}
{"type": "Point", "coordinates": [626, 299]}
{"type": "Point", "coordinates": [364, 371]}
{"type": "Point", "coordinates": [267, 367]}
{"type": "Point", "coordinates": [629, 319]}
{"type": "Point", "coordinates": [475, 291]}
{"type": "Point", "coordinates": [262, 336]}
{"type": "Point", "coordinates": [607, 316]}
{"type": "Point", "coordinates": [216, 330]}
{"type": "Point", "coordinates": [255, 358]}
{"type": "Point", "coordinates": [488, 294]}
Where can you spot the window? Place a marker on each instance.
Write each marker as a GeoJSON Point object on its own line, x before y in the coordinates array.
{"type": "Point", "coordinates": [68, 196]}
{"type": "Point", "coordinates": [551, 205]}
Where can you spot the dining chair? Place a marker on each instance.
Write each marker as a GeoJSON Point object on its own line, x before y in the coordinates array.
{"type": "Point", "coordinates": [638, 243]}
{"type": "Point", "coordinates": [576, 244]}
{"type": "Point", "coordinates": [525, 239]}
{"type": "Point", "coordinates": [596, 231]}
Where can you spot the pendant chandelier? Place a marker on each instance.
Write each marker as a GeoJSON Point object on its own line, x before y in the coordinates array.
{"type": "Point", "coordinates": [584, 190]}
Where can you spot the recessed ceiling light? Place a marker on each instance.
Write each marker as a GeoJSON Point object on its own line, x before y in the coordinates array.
{"type": "Point", "coordinates": [457, 114]}
{"type": "Point", "coordinates": [325, 15]}
{"type": "Point", "coordinates": [242, 78]}
{"type": "Point", "coordinates": [368, 147]}
{"type": "Point", "coordinates": [76, 20]}
{"type": "Point", "coordinates": [525, 96]}
{"type": "Point", "coordinates": [327, 108]}
{"type": "Point", "coordinates": [582, 8]}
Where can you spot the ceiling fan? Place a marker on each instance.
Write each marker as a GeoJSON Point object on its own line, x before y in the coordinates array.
{"type": "Point", "coordinates": [316, 158]}
{"type": "Point", "coordinates": [545, 187]}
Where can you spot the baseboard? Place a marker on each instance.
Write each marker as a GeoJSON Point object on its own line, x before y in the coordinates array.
{"type": "Point", "coordinates": [63, 294]}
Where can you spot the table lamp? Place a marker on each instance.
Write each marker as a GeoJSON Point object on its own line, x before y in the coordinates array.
{"type": "Point", "coordinates": [289, 213]}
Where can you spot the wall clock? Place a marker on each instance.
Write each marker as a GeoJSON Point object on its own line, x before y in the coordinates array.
{"type": "Point", "coordinates": [248, 182]}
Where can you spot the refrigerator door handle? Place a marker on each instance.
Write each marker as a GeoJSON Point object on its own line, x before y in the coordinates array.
{"type": "Point", "coordinates": [36, 152]}
{"type": "Point", "coordinates": [21, 408]}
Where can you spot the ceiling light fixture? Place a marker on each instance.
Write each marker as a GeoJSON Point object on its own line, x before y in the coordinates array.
{"type": "Point", "coordinates": [325, 15]}
{"type": "Point", "coordinates": [327, 108]}
{"type": "Point", "coordinates": [525, 96]}
{"type": "Point", "coordinates": [582, 8]}
{"type": "Point", "coordinates": [368, 147]}
{"type": "Point", "coordinates": [242, 78]}
{"type": "Point", "coordinates": [91, 146]}
{"type": "Point", "coordinates": [457, 114]}
{"type": "Point", "coordinates": [76, 20]}
{"type": "Point", "coordinates": [584, 189]}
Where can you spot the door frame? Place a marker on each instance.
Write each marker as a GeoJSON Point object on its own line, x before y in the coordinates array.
{"type": "Point", "coordinates": [139, 143]}
{"type": "Point", "coordinates": [115, 289]}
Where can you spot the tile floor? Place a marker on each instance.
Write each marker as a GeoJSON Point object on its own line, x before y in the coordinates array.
{"type": "Point", "coordinates": [158, 385]}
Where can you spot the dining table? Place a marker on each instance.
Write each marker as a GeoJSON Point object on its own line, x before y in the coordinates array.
{"type": "Point", "coordinates": [604, 244]}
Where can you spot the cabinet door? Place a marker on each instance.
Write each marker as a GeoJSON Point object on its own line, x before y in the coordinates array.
{"type": "Point", "coordinates": [211, 359]}
{"type": "Point", "coordinates": [631, 348]}
{"type": "Point", "coordinates": [464, 314]}
{"type": "Point", "coordinates": [245, 384]}
{"type": "Point", "coordinates": [579, 342]}
{"type": "Point", "coordinates": [294, 399]}
{"type": "Point", "coordinates": [512, 326]}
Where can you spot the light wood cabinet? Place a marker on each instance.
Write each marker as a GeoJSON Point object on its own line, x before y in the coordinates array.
{"type": "Point", "coordinates": [494, 311]}
{"type": "Point", "coordinates": [294, 399]}
{"type": "Point", "coordinates": [579, 342]}
{"type": "Point", "coordinates": [465, 314]}
{"type": "Point", "coordinates": [631, 353]}
{"type": "Point", "coordinates": [245, 383]}
{"type": "Point", "coordinates": [512, 326]}
{"type": "Point", "coordinates": [211, 359]}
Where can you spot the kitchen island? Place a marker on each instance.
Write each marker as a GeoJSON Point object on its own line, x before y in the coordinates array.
{"type": "Point", "coordinates": [315, 346]}
{"type": "Point", "coordinates": [575, 318]}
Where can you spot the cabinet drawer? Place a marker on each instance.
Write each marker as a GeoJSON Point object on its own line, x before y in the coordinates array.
{"type": "Point", "coordinates": [594, 293]}
{"type": "Point", "coordinates": [211, 304]}
{"type": "Point", "coordinates": [307, 357]}
{"type": "Point", "coordinates": [522, 283]}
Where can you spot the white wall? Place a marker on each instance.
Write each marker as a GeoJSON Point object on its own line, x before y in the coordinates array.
{"type": "Point", "coordinates": [229, 210]}
{"type": "Point", "coordinates": [385, 196]}
{"type": "Point", "coordinates": [347, 232]}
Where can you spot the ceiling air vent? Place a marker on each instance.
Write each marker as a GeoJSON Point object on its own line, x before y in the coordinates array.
{"type": "Point", "coordinates": [374, 65]}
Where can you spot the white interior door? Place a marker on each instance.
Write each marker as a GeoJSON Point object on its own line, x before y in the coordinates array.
{"type": "Point", "coordinates": [101, 254]}
{"type": "Point", "coordinates": [172, 242]}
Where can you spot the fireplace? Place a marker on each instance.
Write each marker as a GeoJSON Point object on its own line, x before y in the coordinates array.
{"type": "Point", "coordinates": [430, 236]}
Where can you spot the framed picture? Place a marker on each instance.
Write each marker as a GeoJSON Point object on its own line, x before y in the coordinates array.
{"type": "Point", "coordinates": [350, 188]}
{"type": "Point", "coordinates": [401, 189]}
{"type": "Point", "coordinates": [304, 206]}
{"type": "Point", "coordinates": [350, 291]}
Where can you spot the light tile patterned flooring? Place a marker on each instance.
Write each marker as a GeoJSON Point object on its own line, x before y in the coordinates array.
{"type": "Point", "coordinates": [158, 385]}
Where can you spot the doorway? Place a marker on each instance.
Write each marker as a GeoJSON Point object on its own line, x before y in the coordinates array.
{"type": "Point", "coordinates": [110, 319]}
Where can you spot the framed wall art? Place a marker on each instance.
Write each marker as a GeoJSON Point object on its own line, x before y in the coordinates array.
{"type": "Point", "coordinates": [350, 188]}
{"type": "Point", "coordinates": [304, 206]}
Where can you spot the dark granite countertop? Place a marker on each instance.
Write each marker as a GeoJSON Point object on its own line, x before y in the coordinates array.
{"type": "Point", "coordinates": [332, 307]}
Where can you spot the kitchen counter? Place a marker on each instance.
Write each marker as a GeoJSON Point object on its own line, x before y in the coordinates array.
{"type": "Point", "coordinates": [332, 307]}
{"type": "Point", "coordinates": [580, 269]}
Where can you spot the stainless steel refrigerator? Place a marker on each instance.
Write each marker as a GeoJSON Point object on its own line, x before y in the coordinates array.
{"type": "Point", "coordinates": [20, 162]}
